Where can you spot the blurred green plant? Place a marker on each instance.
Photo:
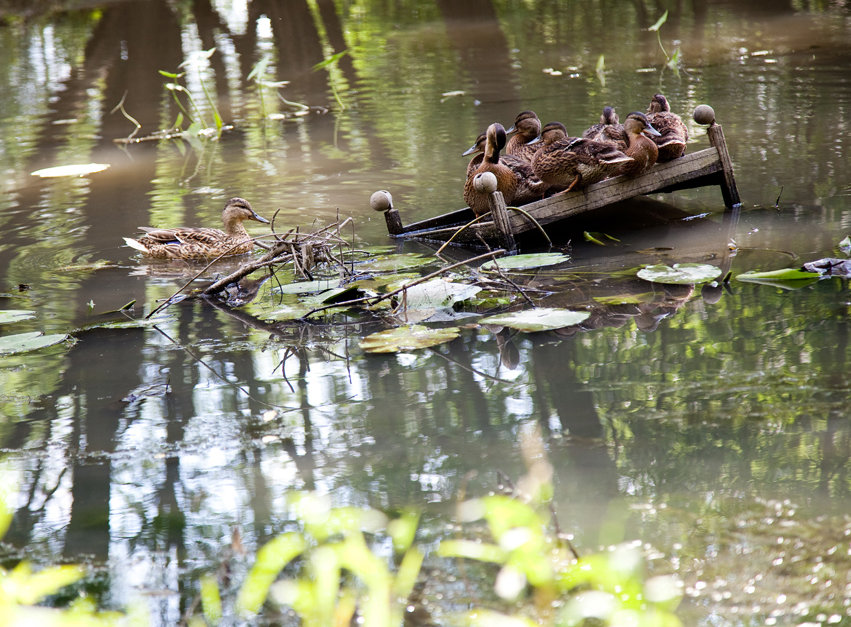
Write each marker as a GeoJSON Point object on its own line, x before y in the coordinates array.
{"type": "Point", "coordinates": [609, 588]}
{"type": "Point", "coordinates": [258, 76]}
{"type": "Point", "coordinates": [22, 590]}
{"type": "Point", "coordinates": [673, 60]}
{"type": "Point", "coordinates": [198, 125]}
{"type": "Point", "coordinates": [337, 572]}
{"type": "Point", "coordinates": [330, 63]}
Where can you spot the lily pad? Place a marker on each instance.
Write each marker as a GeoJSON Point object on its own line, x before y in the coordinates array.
{"type": "Point", "coordinates": [26, 342]}
{"type": "Point", "coordinates": [395, 263]}
{"type": "Point", "coordinates": [407, 338]}
{"type": "Point", "coordinates": [8, 316]}
{"type": "Point", "coordinates": [625, 299]}
{"type": "Point", "coordinates": [539, 319]}
{"type": "Point", "coordinates": [308, 287]}
{"type": "Point", "coordinates": [680, 273]}
{"type": "Point", "coordinates": [785, 274]}
{"type": "Point", "coordinates": [79, 169]}
{"type": "Point", "coordinates": [525, 262]}
{"type": "Point", "coordinates": [437, 294]}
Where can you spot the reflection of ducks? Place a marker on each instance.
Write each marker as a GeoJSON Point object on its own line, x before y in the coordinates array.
{"type": "Point", "coordinates": [200, 242]}
{"type": "Point", "coordinates": [608, 130]}
{"type": "Point", "coordinates": [575, 162]}
{"type": "Point", "coordinates": [673, 132]}
{"type": "Point", "coordinates": [506, 181]}
{"type": "Point", "coordinates": [641, 148]}
{"type": "Point", "coordinates": [526, 128]}
{"type": "Point", "coordinates": [529, 187]}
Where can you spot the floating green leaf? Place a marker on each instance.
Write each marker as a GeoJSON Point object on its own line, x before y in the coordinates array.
{"type": "Point", "coordinates": [308, 287]}
{"type": "Point", "coordinates": [525, 262]}
{"type": "Point", "coordinates": [71, 170]}
{"type": "Point", "coordinates": [8, 316]}
{"type": "Point", "coordinates": [437, 294]}
{"type": "Point", "coordinates": [407, 338]}
{"type": "Point", "coordinates": [26, 342]}
{"type": "Point", "coordinates": [786, 278]}
{"type": "Point", "coordinates": [597, 238]}
{"type": "Point", "coordinates": [539, 319]}
{"type": "Point", "coordinates": [395, 263]}
{"type": "Point", "coordinates": [680, 273]}
{"type": "Point", "coordinates": [785, 274]}
{"type": "Point", "coordinates": [845, 245]}
{"type": "Point", "coordinates": [625, 299]}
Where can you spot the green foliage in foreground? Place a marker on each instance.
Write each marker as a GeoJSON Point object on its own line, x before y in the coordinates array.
{"type": "Point", "coordinates": [333, 571]}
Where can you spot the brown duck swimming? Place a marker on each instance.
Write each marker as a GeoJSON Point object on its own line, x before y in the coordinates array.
{"type": "Point", "coordinates": [575, 162]}
{"type": "Point", "coordinates": [529, 187]}
{"type": "Point", "coordinates": [201, 242]}
{"type": "Point", "coordinates": [495, 141]}
{"type": "Point", "coordinates": [673, 131]}
{"type": "Point", "coordinates": [526, 128]}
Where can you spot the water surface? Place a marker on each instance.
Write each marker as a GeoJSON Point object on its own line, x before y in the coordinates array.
{"type": "Point", "coordinates": [711, 426]}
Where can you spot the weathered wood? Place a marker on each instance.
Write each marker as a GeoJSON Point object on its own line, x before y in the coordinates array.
{"type": "Point", "coordinates": [499, 214]}
{"type": "Point", "coordinates": [711, 166]}
{"type": "Point", "coordinates": [460, 216]}
{"type": "Point", "coordinates": [615, 189]}
{"type": "Point", "coordinates": [728, 188]}
{"type": "Point", "coordinates": [394, 222]}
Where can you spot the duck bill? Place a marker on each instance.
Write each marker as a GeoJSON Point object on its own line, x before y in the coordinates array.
{"type": "Point", "coordinates": [534, 141]}
{"type": "Point", "coordinates": [511, 130]}
{"type": "Point", "coordinates": [651, 131]}
{"type": "Point", "coordinates": [470, 150]}
{"type": "Point", "coordinates": [259, 218]}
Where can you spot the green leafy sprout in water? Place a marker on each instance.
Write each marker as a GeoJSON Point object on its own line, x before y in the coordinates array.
{"type": "Point", "coordinates": [673, 61]}
{"type": "Point", "coordinates": [330, 63]}
{"type": "Point", "coordinates": [197, 124]}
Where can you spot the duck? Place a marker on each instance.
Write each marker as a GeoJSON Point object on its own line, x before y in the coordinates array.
{"type": "Point", "coordinates": [495, 140]}
{"type": "Point", "coordinates": [575, 162]}
{"type": "Point", "coordinates": [608, 129]}
{"type": "Point", "coordinates": [201, 242]}
{"type": "Point", "coordinates": [526, 128]}
{"type": "Point", "coordinates": [673, 133]}
{"type": "Point", "coordinates": [638, 145]}
{"type": "Point", "coordinates": [529, 187]}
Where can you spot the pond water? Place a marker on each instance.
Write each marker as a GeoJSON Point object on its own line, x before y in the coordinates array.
{"type": "Point", "coordinates": [710, 425]}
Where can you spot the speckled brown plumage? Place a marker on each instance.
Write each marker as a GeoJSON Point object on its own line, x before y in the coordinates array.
{"type": "Point", "coordinates": [526, 128]}
{"type": "Point", "coordinates": [607, 130]}
{"type": "Point", "coordinates": [495, 140]}
{"type": "Point", "coordinates": [639, 146]}
{"type": "Point", "coordinates": [672, 130]}
{"type": "Point", "coordinates": [575, 162]}
{"type": "Point", "coordinates": [529, 187]}
{"type": "Point", "coordinates": [201, 242]}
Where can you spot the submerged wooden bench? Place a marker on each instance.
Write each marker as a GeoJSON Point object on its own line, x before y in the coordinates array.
{"type": "Point", "coordinates": [503, 225]}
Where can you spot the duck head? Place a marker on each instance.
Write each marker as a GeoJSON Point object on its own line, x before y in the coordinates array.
{"type": "Point", "coordinates": [637, 123]}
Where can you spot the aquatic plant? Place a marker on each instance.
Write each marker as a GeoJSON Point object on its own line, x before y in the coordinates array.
{"type": "Point", "coordinates": [23, 590]}
{"type": "Point", "coordinates": [673, 60]}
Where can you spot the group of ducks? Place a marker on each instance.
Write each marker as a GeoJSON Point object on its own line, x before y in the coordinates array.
{"type": "Point", "coordinates": [538, 161]}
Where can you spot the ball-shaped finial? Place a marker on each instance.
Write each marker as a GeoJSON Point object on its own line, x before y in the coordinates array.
{"type": "Point", "coordinates": [381, 200]}
{"type": "Point", "coordinates": [704, 114]}
{"type": "Point", "coordinates": [485, 182]}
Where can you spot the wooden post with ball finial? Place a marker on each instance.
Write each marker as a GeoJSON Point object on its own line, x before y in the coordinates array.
{"type": "Point", "coordinates": [704, 114]}
{"type": "Point", "coordinates": [485, 182]}
{"type": "Point", "coordinates": [383, 201]}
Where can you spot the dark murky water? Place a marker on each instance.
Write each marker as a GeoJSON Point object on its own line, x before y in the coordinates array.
{"type": "Point", "coordinates": [713, 429]}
